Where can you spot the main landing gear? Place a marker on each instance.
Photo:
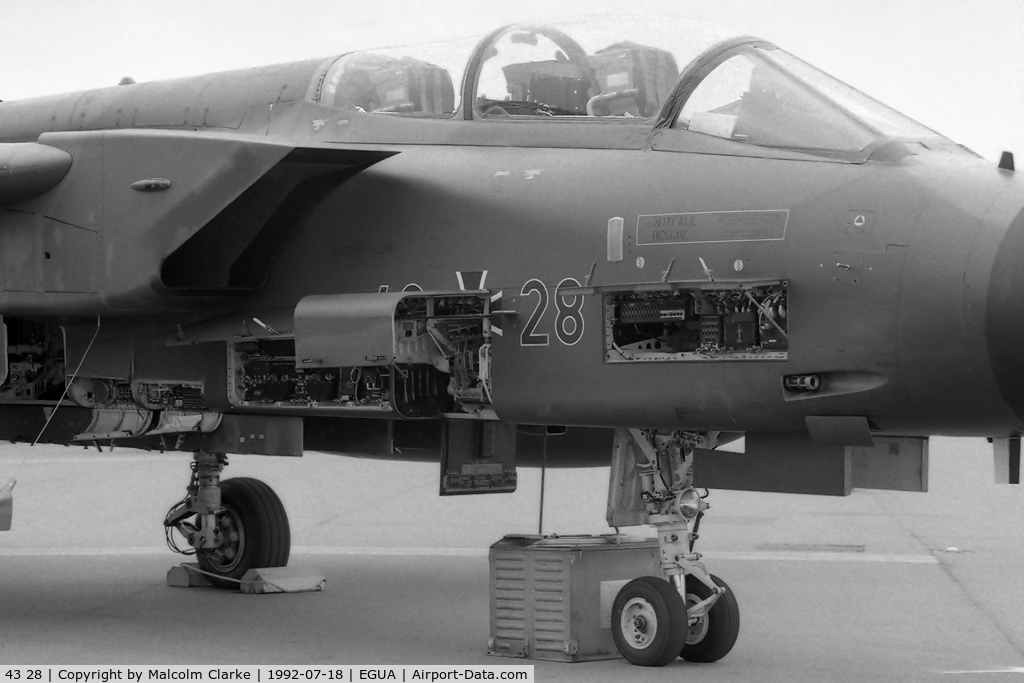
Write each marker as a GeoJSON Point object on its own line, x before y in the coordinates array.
{"type": "Point", "coordinates": [692, 614]}
{"type": "Point", "coordinates": [231, 526]}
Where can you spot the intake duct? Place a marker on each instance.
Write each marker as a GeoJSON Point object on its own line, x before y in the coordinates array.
{"type": "Point", "coordinates": [235, 249]}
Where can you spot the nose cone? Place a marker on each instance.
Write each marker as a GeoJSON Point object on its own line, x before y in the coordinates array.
{"type": "Point", "coordinates": [1005, 316]}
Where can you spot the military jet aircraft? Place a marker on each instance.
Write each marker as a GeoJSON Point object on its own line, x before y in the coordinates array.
{"type": "Point", "coordinates": [589, 242]}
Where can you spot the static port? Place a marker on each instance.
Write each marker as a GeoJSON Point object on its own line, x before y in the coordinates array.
{"type": "Point", "coordinates": [805, 383]}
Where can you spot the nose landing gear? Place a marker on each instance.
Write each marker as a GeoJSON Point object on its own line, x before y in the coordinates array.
{"type": "Point", "coordinates": [231, 526]}
{"type": "Point", "coordinates": [694, 614]}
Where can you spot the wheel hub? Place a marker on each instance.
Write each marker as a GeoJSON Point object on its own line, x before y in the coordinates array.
{"type": "Point", "coordinates": [226, 557]}
{"type": "Point", "coordinates": [698, 626]}
{"type": "Point", "coordinates": [639, 623]}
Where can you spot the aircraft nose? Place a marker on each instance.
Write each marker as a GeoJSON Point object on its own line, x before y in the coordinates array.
{"type": "Point", "coordinates": [1004, 313]}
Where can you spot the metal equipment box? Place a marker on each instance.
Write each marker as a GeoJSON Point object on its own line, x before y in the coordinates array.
{"type": "Point", "coordinates": [551, 596]}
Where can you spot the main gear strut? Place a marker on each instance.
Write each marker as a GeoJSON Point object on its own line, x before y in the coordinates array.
{"type": "Point", "coordinates": [231, 526]}
{"type": "Point", "coordinates": [203, 501]}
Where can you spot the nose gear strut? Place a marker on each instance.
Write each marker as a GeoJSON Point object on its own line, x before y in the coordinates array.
{"type": "Point", "coordinates": [652, 483]}
{"type": "Point", "coordinates": [665, 475]}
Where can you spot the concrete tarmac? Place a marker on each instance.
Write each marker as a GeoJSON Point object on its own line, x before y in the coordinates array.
{"type": "Point", "coordinates": [878, 586]}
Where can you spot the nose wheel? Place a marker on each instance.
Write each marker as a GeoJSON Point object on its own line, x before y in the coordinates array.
{"type": "Point", "coordinates": [712, 635]}
{"type": "Point", "coordinates": [649, 621]}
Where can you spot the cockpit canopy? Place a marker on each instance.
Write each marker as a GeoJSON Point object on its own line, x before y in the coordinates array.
{"type": "Point", "coordinates": [673, 73]}
{"type": "Point", "coordinates": [626, 65]}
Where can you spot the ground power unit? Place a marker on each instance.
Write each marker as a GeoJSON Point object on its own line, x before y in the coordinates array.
{"type": "Point", "coordinates": [551, 597]}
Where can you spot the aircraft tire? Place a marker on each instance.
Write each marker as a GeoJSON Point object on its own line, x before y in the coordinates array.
{"type": "Point", "coordinates": [255, 525]}
{"type": "Point", "coordinates": [649, 621]}
{"type": "Point", "coordinates": [713, 637]}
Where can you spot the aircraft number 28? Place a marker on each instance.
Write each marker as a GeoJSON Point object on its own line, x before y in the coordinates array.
{"type": "Point", "coordinates": [568, 314]}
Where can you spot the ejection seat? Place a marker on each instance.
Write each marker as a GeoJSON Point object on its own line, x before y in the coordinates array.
{"type": "Point", "coordinates": [634, 80]}
{"type": "Point", "coordinates": [378, 83]}
{"type": "Point", "coordinates": [558, 87]}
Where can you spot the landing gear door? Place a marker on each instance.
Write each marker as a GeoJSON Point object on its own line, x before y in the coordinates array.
{"type": "Point", "coordinates": [545, 340]}
{"type": "Point", "coordinates": [477, 456]}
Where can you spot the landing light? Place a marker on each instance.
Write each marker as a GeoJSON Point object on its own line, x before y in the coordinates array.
{"type": "Point", "coordinates": [689, 503]}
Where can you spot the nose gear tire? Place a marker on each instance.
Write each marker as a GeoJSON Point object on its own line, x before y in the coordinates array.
{"type": "Point", "coordinates": [649, 621]}
{"type": "Point", "coordinates": [713, 637]}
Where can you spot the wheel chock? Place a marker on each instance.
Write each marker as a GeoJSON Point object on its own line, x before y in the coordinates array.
{"type": "Point", "coordinates": [187, 575]}
{"type": "Point", "coordinates": [282, 580]}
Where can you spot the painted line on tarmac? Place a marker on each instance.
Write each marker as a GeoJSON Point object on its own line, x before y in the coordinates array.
{"type": "Point", "coordinates": [391, 551]}
{"type": "Point", "coordinates": [366, 551]}
{"type": "Point", "coordinates": [90, 459]}
{"type": "Point", "coordinates": [803, 556]}
{"type": "Point", "coordinates": [81, 552]}
{"type": "Point", "coordinates": [1008, 670]}
{"type": "Point", "coordinates": [297, 550]}
{"type": "Point", "coordinates": [711, 555]}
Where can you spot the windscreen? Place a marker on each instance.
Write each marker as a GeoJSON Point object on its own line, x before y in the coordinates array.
{"type": "Point", "coordinates": [747, 98]}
